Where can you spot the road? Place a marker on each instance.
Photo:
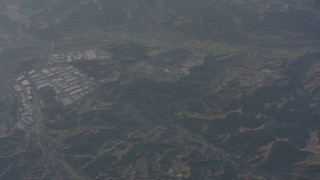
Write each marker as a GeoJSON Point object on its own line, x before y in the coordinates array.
{"type": "Point", "coordinates": [37, 137]}
{"type": "Point", "coordinates": [51, 152]}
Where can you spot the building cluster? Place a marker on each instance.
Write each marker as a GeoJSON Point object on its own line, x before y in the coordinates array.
{"type": "Point", "coordinates": [4, 121]}
{"type": "Point", "coordinates": [4, 38]}
{"type": "Point", "coordinates": [73, 56]}
{"type": "Point", "coordinates": [68, 82]}
{"type": "Point", "coordinates": [24, 90]}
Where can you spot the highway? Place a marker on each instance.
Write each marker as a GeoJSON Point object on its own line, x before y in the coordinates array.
{"type": "Point", "coordinates": [50, 149]}
{"type": "Point", "coordinates": [37, 137]}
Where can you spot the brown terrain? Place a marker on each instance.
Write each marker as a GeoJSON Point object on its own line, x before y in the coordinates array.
{"type": "Point", "coordinates": [186, 90]}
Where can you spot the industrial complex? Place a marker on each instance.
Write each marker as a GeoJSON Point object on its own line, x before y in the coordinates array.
{"type": "Point", "coordinates": [73, 56]}
{"type": "Point", "coordinates": [69, 84]}
{"type": "Point", "coordinates": [26, 110]}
